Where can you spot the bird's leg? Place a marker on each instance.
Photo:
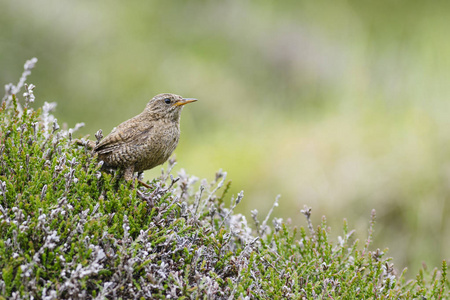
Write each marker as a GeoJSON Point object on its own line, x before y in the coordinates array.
{"type": "Point", "coordinates": [129, 172]}
{"type": "Point", "coordinates": [129, 175]}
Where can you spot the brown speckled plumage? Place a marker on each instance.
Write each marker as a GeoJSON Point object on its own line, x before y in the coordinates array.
{"type": "Point", "coordinates": [147, 140]}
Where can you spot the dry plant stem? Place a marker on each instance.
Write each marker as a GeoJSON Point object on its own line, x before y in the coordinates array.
{"type": "Point", "coordinates": [372, 224]}
{"type": "Point", "coordinates": [264, 224]}
{"type": "Point", "coordinates": [254, 214]}
{"type": "Point", "coordinates": [171, 163]}
{"type": "Point", "coordinates": [222, 175]}
{"type": "Point", "coordinates": [172, 182]}
{"type": "Point", "coordinates": [197, 199]}
{"type": "Point", "coordinates": [144, 184]}
{"type": "Point", "coordinates": [238, 199]}
{"type": "Point", "coordinates": [306, 211]}
{"type": "Point", "coordinates": [11, 89]}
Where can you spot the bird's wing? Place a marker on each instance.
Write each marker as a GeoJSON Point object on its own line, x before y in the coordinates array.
{"type": "Point", "coordinates": [122, 136]}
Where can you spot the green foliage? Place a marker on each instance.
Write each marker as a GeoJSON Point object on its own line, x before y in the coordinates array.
{"type": "Point", "coordinates": [69, 230]}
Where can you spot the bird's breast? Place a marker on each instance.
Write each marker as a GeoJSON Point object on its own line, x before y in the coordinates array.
{"type": "Point", "coordinates": [158, 146]}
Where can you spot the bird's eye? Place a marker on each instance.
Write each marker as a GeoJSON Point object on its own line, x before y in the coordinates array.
{"type": "Point", "coordinates": [167, 100]}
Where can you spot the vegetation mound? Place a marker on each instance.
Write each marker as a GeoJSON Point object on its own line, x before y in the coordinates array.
{"type": "Point", "coordinates": [70, 231]}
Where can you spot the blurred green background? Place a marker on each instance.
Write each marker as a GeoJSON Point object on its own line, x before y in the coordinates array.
{"type": "Point", "coordinates": [340, 105]}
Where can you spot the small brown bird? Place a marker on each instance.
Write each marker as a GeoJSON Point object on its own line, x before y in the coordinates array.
{"type": "Point", "coordinates": [147, 140]}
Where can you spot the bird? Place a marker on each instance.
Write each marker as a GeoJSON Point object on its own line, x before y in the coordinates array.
{"type": "Point", "coordinates": [146, 140]}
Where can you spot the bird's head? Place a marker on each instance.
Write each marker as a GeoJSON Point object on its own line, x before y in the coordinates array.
{"type": "Point", "coordinates": [167, 105]}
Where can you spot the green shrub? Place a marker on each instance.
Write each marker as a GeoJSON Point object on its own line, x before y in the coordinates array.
{"type": "Point", "coordinates": [70, 231]}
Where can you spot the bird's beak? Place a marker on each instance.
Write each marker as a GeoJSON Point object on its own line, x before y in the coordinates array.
{"type": "Point", "coordinates": [184, 101]}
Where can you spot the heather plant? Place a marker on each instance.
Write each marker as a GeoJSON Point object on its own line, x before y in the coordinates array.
{"type": "Point", "coordinates": [71, 231]}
